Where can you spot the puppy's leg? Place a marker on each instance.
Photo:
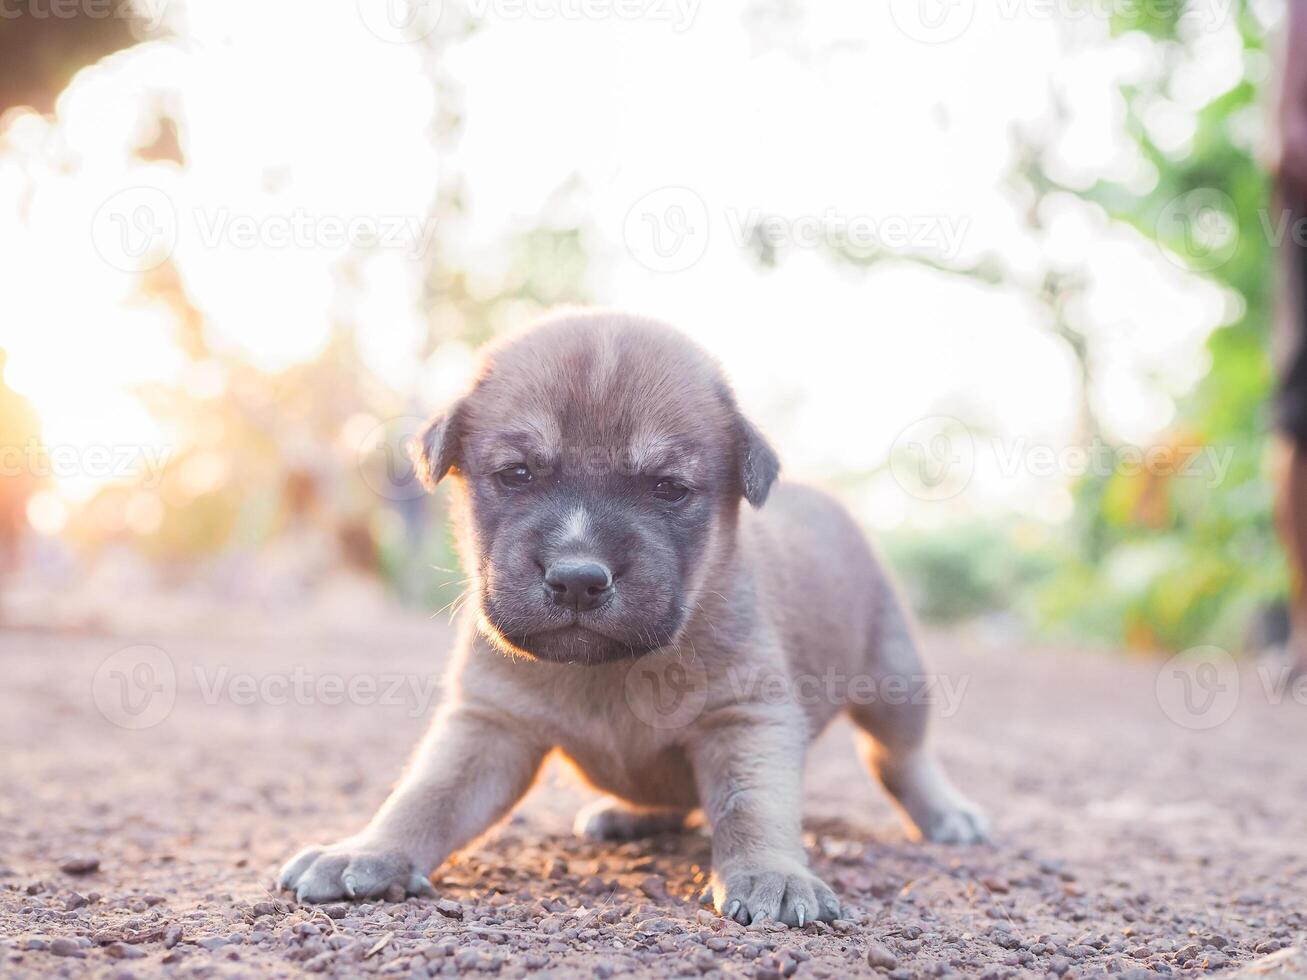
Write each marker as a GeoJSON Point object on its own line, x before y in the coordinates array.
{"type": "Point", "coordinates": [468, 772]}
{"type": "Point", "coordinates": [749, 767]}
{"type": "Point", "coordinates": [612, 819]}
{"type": "Point", "coordinates": [893, 741]}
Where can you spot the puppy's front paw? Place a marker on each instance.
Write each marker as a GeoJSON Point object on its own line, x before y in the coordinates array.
{"type": "Point", "coordinates": [794, 896]}
{"type": "Point", "coordinates": [352, 868]}
{"type": "Point", "coordinates": [961, 823]}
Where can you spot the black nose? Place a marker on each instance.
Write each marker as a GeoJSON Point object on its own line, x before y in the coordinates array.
{"type": "Point", "coordinates": [580, 585]}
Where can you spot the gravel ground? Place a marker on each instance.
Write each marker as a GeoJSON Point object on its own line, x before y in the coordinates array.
{"type": "Point", "coordinates": [1127, 844]}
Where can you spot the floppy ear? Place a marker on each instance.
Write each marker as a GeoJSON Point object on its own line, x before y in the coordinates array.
{"type": "Point", "coordinates": [435, 449]}
{"type": "Point", "coordinates": [759, 465]}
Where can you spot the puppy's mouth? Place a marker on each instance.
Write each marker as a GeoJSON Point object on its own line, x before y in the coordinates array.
{"type": "Point", "coordinates": [575, 642]}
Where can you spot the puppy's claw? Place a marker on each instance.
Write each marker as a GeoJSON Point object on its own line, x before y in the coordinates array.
{"type": "Point", "coordinates": [794, 897]}
{"type": "Point", "coordinates": [352, 870]}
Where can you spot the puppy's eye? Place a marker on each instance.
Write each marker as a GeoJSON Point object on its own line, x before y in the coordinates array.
{"type": "Point", "coordinates": [671, 491]}
{"type": "Point", "coordinates": [515, 476]}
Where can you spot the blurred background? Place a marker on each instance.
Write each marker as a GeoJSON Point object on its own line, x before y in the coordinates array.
{"type": "Point", "coordinates": [1001, 274]}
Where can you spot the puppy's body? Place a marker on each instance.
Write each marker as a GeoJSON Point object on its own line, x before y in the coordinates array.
{"type": "Point", "coordinates": [680, 650]}
{"type": "Point", "coordinates": [801, 546]}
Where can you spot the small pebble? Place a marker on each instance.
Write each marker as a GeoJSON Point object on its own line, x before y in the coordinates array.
{"type": "Point", "coordinates": [82, 864]}
{"type": "Point", "coordinates": [880, 958]}
{"type": "Point", "coordinates": [122, 951]}
{"type": "Point", "coordinates": [63, 946]}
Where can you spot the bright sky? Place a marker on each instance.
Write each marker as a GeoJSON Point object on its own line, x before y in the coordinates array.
{"type": "Point", "coordinates": [306, 129]}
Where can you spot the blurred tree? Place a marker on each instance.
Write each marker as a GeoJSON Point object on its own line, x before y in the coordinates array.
{"type": "Point", "coordinates": [1152, 560]}
{"type": "Point", "coordinates": [19, 478]}
{"type": "Point", "coordinates": [1202, 557]}
{"type": "Point", "coordinates": [43, 45]}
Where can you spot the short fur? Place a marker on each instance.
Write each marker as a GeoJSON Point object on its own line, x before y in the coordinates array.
{"type": "Point", "coordinates": [708, 601]}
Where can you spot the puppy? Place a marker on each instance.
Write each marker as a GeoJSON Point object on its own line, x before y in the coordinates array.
{"type": "Point", "coordinates": [680, 649]}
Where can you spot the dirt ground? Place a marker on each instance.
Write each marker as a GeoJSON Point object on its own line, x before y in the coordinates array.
{"type": "Point", "coordinates": [1127, 844]}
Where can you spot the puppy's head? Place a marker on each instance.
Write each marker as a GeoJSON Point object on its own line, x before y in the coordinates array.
{"type": "Point", "coordinates": [599, 463]}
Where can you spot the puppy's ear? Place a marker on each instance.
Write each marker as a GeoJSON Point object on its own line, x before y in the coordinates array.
{"type": "Point", "coordinates": [435, 449]}
{"type": "Point", "coordinates": [758, 462]}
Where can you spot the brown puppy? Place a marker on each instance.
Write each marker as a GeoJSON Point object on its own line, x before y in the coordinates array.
{"type": "Point", "coordinates": [680, 649]}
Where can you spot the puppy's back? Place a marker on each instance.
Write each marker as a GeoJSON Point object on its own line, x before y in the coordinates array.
{"type": "Point", "coordinates": [818, 579]}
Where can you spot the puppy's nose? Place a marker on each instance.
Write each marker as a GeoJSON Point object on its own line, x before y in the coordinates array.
{"type": "Point", "coordinates": [580, 585]}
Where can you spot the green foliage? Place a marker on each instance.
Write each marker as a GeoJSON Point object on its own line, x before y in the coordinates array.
{"type": "Point", "coordinates": [1148, 560]}
{"type": "Point", "coordinates": [970, 570]}
{"type": "Point", "coordinates": [1175, 562]}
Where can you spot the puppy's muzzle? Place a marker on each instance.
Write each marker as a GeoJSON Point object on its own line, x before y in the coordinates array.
{"type": "Point", "coordinates": [579, 585]}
